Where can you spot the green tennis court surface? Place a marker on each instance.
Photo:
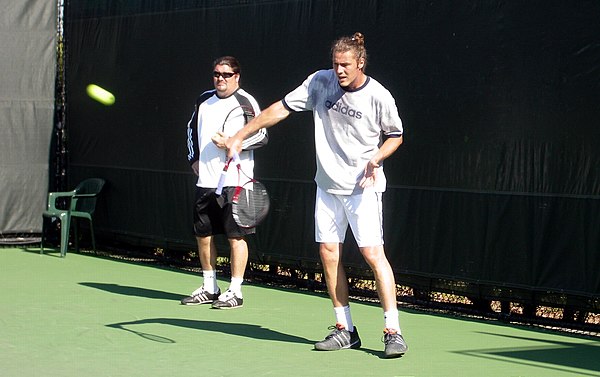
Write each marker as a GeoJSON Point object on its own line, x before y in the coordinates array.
{"type": "Point", "coordinates": [88, 316]}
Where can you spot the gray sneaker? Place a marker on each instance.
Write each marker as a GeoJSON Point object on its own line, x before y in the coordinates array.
{"type": "Point", "coordinates": [395, 346]}
{"type": "Point", "coordinates": [200, 296]}
{"type": "Point", "coordinates": [339, 338]}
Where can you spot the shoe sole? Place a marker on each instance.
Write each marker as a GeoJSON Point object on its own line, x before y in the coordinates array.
{"type": "Point", "coordinates": [228, 307]}
{"type": "Point", "coordinates": [351, 346]}
{"type": "Point", "coordinates": [395, 355]}
{"type": "Point", "coordinates": [196, 303]}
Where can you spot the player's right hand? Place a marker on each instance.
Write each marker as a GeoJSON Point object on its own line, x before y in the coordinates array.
{"type": "Point", "coordinates": [234, 143]}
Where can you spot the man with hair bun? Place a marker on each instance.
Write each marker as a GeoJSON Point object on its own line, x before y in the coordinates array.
{"type": "Point", "coordinates": [351, 112]}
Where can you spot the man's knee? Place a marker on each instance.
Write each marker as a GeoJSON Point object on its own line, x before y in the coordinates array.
{"type": "Point", "coordinates": [329, 252]}
{"type": "Point", "coordinates": [373, 253]}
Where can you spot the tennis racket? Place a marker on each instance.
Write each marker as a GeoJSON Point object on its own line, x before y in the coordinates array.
{"type": "Point", "coordinates": [245, 111]}
{"type": "Point", "coordinates": [250, 201]}
{"type": "Point", "coordinates": [248, 113]}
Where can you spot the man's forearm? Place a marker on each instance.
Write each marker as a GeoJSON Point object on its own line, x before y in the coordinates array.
{"type": "Point", "coordinates": [387, 149]}
{"type": "Point", "coordinates": [267, 118]}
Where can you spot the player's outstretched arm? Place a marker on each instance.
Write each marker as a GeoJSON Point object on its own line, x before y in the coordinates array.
{"type": "Point", "coordinates": [267, 118]}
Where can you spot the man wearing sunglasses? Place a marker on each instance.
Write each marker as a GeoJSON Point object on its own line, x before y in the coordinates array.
{"type": "Point", "coordinates": [218, 114]}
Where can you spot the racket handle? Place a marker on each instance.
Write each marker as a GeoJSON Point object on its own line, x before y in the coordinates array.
{"type": "Point", "coordinates": [221, 183]}
{"type": "Point", "coordinates": [219, 189]}
{"type": "Point", "coordinates": [236, 159]}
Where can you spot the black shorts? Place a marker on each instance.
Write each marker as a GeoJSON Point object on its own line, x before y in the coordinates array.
{"type": "Point", "coordinates": [211, 218]}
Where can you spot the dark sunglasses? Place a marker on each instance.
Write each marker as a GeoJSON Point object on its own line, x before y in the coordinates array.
{"type": "Point", "coordinates": [225, 75]}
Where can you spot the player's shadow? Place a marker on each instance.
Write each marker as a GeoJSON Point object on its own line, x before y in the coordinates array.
{"type": "Point", "coordinates": [238, 329]}
{"type": "Point", "coordinates": [246, 330]}
{"type": "Point", "coordinates": [133, 291]}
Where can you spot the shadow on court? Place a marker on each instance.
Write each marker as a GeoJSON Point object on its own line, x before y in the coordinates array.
{"type": "Point", "coordinates": [94, 316]}
{"type": "Point", "coordinates": [246, 330]}
{"type": "Point", "coordinates": [552, 352]}
{"type": "Point", "coordinates": [134, 291]}
{"type": "Point", "coordinates": [237, 329]}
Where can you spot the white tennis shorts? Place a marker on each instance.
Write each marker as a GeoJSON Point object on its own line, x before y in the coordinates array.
{"type": "Point", "coordinates": [363, 212]}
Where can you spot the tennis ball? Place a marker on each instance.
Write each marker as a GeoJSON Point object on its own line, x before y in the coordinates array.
{"type": "Point", "coordinates": [100, 94]}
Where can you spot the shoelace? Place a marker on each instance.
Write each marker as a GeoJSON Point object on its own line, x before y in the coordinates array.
{"type": "Point", "coordinates": [335, 329]}
{"type": "Point", "coordinates": [200, 291]}
{"type": "Point", "coordinates": [390, 336]}
{"type": "Point", "coordinates": [228, 296]}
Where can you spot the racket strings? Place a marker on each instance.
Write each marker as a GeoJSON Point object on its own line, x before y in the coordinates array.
{"type": "Point", "coordinates": [251, 206]}
{"type": "Point", "coordinates": [250, 201]}
{"type": "Point", "coordinates": [247, 112]}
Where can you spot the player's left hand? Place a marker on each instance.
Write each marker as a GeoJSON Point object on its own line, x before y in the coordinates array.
{"type": "Point", "coordinates": [219, 139]}
{"type": "Point", "coordinates": [370, 175]}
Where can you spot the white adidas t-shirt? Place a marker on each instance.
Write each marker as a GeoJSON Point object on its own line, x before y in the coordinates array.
{"type": "Point", "coordinates": [348, 128]}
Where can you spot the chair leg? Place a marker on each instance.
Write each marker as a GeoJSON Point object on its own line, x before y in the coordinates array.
{"type": "Point", "coordinates": [93, 237]}
{"type": "Point", "coordinates": [43, 233]}
{"type": "Point", "coordinates": [65, 224]}
{"type": "Point", "coordinates": [75, 224]}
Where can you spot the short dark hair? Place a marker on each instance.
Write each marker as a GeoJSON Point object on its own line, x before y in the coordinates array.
{"type": "Point", "coordinates": [230, 61]}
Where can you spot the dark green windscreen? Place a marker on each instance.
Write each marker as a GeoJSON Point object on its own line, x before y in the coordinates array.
{"type": "Point", "coordinates": [497, 182]}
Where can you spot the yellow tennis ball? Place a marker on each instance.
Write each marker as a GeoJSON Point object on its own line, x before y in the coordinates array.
{"type": "Point", "coordinates": [100, 94]}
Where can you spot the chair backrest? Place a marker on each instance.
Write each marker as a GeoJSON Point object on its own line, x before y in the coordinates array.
{"type": "Point", "coordinates": [90, 186]}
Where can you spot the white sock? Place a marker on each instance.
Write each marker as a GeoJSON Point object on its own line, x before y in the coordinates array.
{"type": "Point", "coordinates": [392, 321]}
{"type": "Point", "coordinates": [236, 286]}
{"type": "Point", "coordinates": [343, 317]}
{"type": "Point", "coordinates": [210, 281]}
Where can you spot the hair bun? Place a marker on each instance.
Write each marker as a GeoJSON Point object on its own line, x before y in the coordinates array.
{"type": "Point", "coordinates": [359, 38]}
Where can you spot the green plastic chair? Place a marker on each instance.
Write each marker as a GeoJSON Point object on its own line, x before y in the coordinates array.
{"type": "Point", "coordinates": [81, 203]}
